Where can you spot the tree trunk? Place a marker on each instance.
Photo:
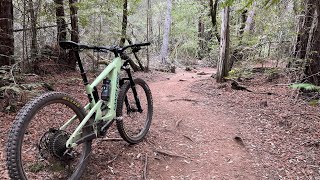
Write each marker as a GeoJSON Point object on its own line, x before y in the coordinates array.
{"type": "Point", "coordinates": [303, 30]}
{"type": "Point", "coordinates": [34, 46]}
{"type": "Point", "coordinates": [223, 64]}
{"type": "Point", "coordinates": [149, 31]}
{"type": "Point", "coordinates": [313, 48]}
{"type": "Point", "coordinates": [201, 37]}
{"type": "Point", "coordinates": [6, 33]}
{"type": "Point", "coordinates": [165, 40]}
{"type": "Point", "coordinates": [243, 20]}
{"type": "Point", "coordinates": [124, 23]}
{"type": "Point", "coordinates": [25, 63]}
{"type": "Point", "coordinates": [213, 14]}
{"type": "Point", "coordinates": [61, 22]}
{"type": "Point", "coordinates": [124, 37]}
{"type": "Point", "coordinates": [250, 20]}
{"type": "Point", "coordinates": [74, 32]}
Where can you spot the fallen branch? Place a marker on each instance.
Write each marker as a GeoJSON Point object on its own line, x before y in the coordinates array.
{"type": "Point", "coordinates": [145, 167]}
{"type": "Point", "coordinates": [178, 123]}
{"type": "Point", "coordinates": [112, 160]}
{"type": "Point", "coordinates": [11, 72]}
{"type": "Point", "coordinates": [189, 138]}
{"type": "Point", "coordinates": [183, 99]}
{"type": "Point", "coordinates": [281, 84]}
{"type": "Point", "coordinates": [168, 153]}
{"type": "Point", "coordinates": [112, 139]}
{"type": "Point", "coordinates": [311, 143]}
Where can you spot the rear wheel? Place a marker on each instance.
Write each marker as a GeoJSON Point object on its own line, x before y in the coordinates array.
{"type": "Point", "coordinates": [36, 146]}
{"type": "Point", "coordinates": [132, 124]}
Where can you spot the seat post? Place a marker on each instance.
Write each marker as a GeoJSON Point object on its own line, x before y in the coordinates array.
{"type": "Point", "coordinates": [85, 80]}
{"type": "Point", "coordinates": [83, 73]}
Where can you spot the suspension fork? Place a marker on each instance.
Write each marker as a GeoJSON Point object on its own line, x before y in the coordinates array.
{"type": "Point", "coordinates": [134, 90]}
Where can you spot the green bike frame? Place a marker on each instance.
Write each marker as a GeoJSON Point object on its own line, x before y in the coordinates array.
{"type": "Point", "coordinates": [112, 72]}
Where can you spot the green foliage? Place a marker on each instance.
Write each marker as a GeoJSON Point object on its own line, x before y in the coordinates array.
{"type": "Point", "coordinates": [228, 3]}
{"type": "Point", "coordinates": [239, 73]}
{"type": "Point", "coordinates": [269, 3]}
{"type": "Point", "coordinates": [12, 87]}
{"type": "Point", "coordinates": [37, 167]}
{"type": "Point", "coordinates": [184, 28]}
{"type": "Point", "coordinates": [306, 86]}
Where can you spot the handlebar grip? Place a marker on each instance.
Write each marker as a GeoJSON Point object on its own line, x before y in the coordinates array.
{"type": "Point", "coordinates": [83, 46]}
{"type": "Point", "coordinates": [143, 44]}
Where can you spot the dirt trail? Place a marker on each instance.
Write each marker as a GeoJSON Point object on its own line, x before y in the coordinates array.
{"type": "Point", "coordinates": [203, 135]}
{"type": "Point", "coordinates": [190, 137]}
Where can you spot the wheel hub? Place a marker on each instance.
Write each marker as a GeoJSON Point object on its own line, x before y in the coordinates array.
{"type": "Point", "coordinates": [53, 144]}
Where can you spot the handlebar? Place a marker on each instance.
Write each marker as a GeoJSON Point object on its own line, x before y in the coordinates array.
{"type": "Point", "coordinates": [114, 49]}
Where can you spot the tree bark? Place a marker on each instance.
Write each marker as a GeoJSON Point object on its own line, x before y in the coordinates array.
{"type": "Point", "coordinates": [149, 31]}
{"type": "Point", "coordinates": [124, 37]}
{"type": "Point", "coordinates": [303, 30]}
{"type": "Point", "coordinates": [165, 40]}
{"type": "Point", "coordinates": [312, 68]}
{"type": "Point", "coordinates": [61, 22]}
{"type": "Point", "coordinates": [74, 32]}
{"type": "Point", "coordinates": [223, 64]}
{"type": "Point", "coordinates": [213, 14]}
{"type": "Point", "coordinates": [34, 44]}
{"type": "Point", "coordinates": [250, 20]}
{"type": "Point", "coordinates": [201, 37]}
{"type": "Point", "coordinates": [243, 20]}
{"type": "Point", "coordinates": [124, 23]}
{"type": "Point", "coordinates": [6, 33]}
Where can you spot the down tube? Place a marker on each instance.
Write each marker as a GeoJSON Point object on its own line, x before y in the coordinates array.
{"type": "Point", "coordinates": [112, 72]}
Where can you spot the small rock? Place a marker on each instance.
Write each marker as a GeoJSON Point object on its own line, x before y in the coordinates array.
{"type": "Point", "coordinates": [263, 104]}
{"type": "Point", "coordinates": [202, 73]}
{"type": "Point", "coordinates": [173, 69]}
{"type": "Point", "coordinates": [188, 68]}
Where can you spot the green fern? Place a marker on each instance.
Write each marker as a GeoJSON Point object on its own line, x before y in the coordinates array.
{"type": "Point", "coordinates": [305, 86]}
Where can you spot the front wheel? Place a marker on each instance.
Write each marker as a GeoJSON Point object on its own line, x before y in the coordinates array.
{"type": "Point", "coordinates": [133, 123]}
{"type": "Point", "coordinates": [36, 147]}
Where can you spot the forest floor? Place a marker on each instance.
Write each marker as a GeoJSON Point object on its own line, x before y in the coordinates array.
{"type": "Point", "coordinates": [205, 130]}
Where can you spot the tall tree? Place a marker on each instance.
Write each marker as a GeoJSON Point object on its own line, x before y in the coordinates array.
{"type": "Point", "coordinates": [243, 20]}
{"type": "Point", "coordinates": [149, 31]}
{"type": "Point", "coordinates": [61, 22]}
{"type": "Point", "coordinates": [213, 14]}
{"type": "Point", "coordinates": [33, 28]}
{"type": "Point", "coordinates": [124, 37]}
{"type": "Point", "coordinates": [165, 41]}
{"type": "Point", "coordinates": [201, 37]}
{"type": "Point", "coordinates": [303, 29]}
{"type": "Point", "coordinates": [313, 47]}
{"type": "Point", "coordinates": [223, 64]}
{"type": "Point", "coordinates": [250, 19]}
{"type": "Point", "coordinates": [74, 32]}
{"type": "Point", "coordinates": [6, 33]}
{"type": "Point", "coordinates": [124, 23]}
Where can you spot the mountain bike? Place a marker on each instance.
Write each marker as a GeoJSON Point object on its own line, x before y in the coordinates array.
{"type": "Point", "coordinates": [52, 134]}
